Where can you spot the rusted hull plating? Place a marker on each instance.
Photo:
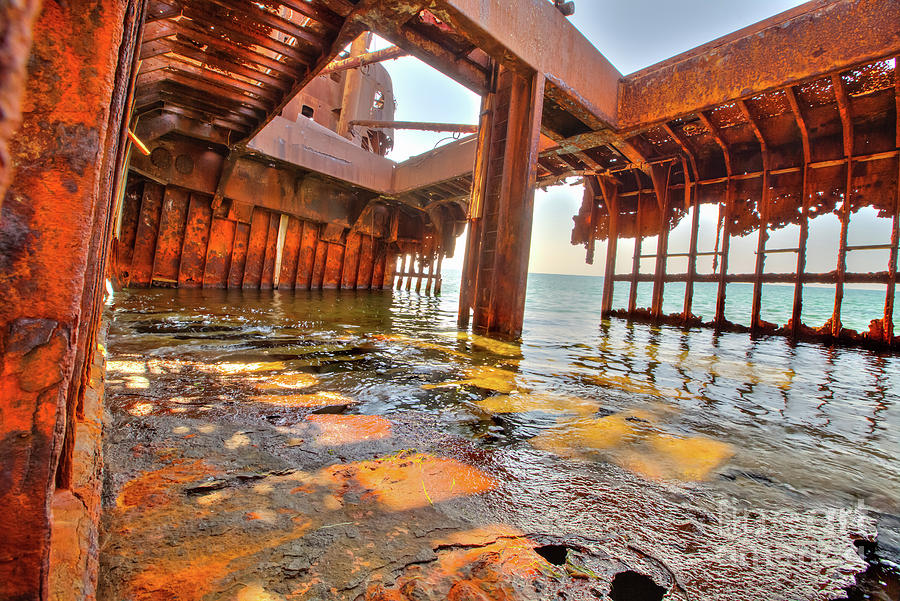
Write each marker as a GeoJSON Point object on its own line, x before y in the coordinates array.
{"type": "Point", "coordinates": [171, 237]}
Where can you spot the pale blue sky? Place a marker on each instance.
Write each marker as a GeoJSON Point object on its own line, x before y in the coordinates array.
{"type": "Point", "coordinates": [632, 35]}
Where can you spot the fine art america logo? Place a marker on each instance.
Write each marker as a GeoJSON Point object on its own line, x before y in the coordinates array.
{"type": "Point", "coordinates": [799, 536]}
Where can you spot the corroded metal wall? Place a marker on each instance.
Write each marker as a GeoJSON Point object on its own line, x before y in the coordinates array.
{"type": "Point", "coordinates": [170, 236]}
{"type": "Point", "coordinates": [54, 233]}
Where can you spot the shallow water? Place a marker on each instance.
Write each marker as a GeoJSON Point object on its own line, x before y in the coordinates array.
{"type": "Point", "coordinates": [594, 431]}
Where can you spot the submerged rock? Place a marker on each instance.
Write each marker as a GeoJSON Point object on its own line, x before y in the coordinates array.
{"type": "Point", "coordinates": [634, 441]}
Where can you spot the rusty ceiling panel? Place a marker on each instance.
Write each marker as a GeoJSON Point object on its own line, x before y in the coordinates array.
{"type": "Point", "coordinates": [232, 64]}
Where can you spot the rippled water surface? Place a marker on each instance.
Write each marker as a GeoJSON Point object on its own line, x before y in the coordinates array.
{"type": "Point", "coordinates": [582, 410]}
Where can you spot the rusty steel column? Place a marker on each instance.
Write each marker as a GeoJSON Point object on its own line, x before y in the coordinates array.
{"type": "Point", "coordinates": [725, 220]}
{"type": "Point", "coordinates": [438, 281]}
{"type": "Point", "coordinates": [636, 259]}
{"type": "Point", "coordinates": [469, 280]}
{"type": "Point", "coordinates": [723, 258]}
{"type": "Point", "coordinates": [888, 324]}
{"type": "Point", "coordinates": [763, 208]}
{"type": "Point", "coordinates": [661, 189]}
{"type": "Point", "coordinates": [797, 310]}
{"type": "Point", "coordinates": [507, 182]}
{"type": "Point", "coordinates": [844, 109]}
{"type": "Point", "coordinates": [53, 232]}
{"type": "Point", "coordinates": [760, 249]}
{"type": "Point", "coordinates": [692, 257]}
{"type": "Point", "coordinates": [16, 22]}
{"type": "Point", "coordinates": [611, 199]}
{"type": "Point", "coordinates": [352, 87]}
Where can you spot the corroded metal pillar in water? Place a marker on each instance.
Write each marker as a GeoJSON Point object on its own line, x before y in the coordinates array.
{"type": "Point", "coordinates": [54, 232]}
{"type": "Point", "coordinates": [496, 265]}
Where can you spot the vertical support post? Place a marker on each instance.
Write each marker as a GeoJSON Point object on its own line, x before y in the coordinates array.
{"type": "Point", "coordinates": [689, 187]}
{"type": "Point", "coordinates": [403, 270]}
{"type": "Point", "coordinates": [723, 259]}
{"type": "Point", "coordinates": [610, 192]}
{"type": "Point", "coordinates": [760, 248]}
{"type": "Point", "coordinates": [590, 196]}
{"type": "Point", "coordinates": [507, 182]}
{"type": "Point", "coordinates": [430, 275]}
{"type": "Point", "coordinates": [692, 255]}
{"type": "Point", "coordinates": [414, 257]}
{"type": "Point", "coordinates": [729, 201]}
{"type": "Point", "coordinates": [661, 189]}
{"type": "Point", "coordinates": [469, 281]}
{"type": "Point", "coordinates": [420, 270]}
{"type": "Point", "coordinates": [636, 259]}
{"type": "Point", "coordinates": [888, 325]}
{"type": "Point", "coordinates": [797, 310]}
{"type": "Point", "coordinates": [844, 109]}
{"type": "Point", "coordinates": [353, 84]}
{"type": "Point", "coordinates": [439, 280]}
{"type": "Point", "coordinates": [58, 218]}
{"type": "Point", "coordinates": [763, 234]}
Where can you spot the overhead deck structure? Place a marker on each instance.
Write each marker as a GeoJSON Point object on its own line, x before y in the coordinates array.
{"type": "Point", "coordinates": [770, 122]}
{"type": "Point", "coordinates": [789, 119]}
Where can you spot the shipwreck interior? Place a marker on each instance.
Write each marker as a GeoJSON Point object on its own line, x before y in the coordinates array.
{"type": "Point", "coordinates": [224, 145]}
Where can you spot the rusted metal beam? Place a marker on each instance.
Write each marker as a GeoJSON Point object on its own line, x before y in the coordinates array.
{"type": "Point", "coordinates": [15, 46]}
{"type": "Point", "coordinates": [879, 277]}
{"type": "Point", "coordinates": [685, 148]}
{"type": "Point", "coordinates": [636, 258]}
{"type": "Point", "coordinates": [474, 217]}
{"type": "Point", "coordinates": [223, 62]}
{"type": "Point", "coordinates": [812, 40]}
{"type": "Point", "coordinates": [725, 217]}
{"type": "Point", "coordinates": [610, 189]}
{"type": "Point", "coordinates": [535, 36]}
{"type": "Point", "coordinates": [354, 62]}
{"type": "Point", "coordinates": [177, 64]}
{"type": "Point", "coordinates": [321, 14]}
{"type": "Point", "coordinates": [54, 234]}
{"type": "Point", "coordinates": [692, 249]}
{"type": "Point", "coordinates": [350, 30]}
{"type": "Point", "coordinates": [843, 102]}
{"type": "Point", "coordinates": [888, 324]}
{"type": "Point", "coordinates": [726, 247]}
{"type": "Point", "coordinates": [763, 233]}
{"type": "Point", "coordinates": [797, 310]}
{"type": "Point", "coordinates": [661, 190]}
{"type": "Point", "coordinates": [389, 20]}
{"type": "Point", "coordinates": [254, 13]}
{"type": "Point", "coordinates": [462, 128]}
{"type": "Point", "coordinates": [209, 18]}
{"type": "Point", "coordinates": [187, 30]}
{"type": "Point", "coordinates": [510, 174]}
